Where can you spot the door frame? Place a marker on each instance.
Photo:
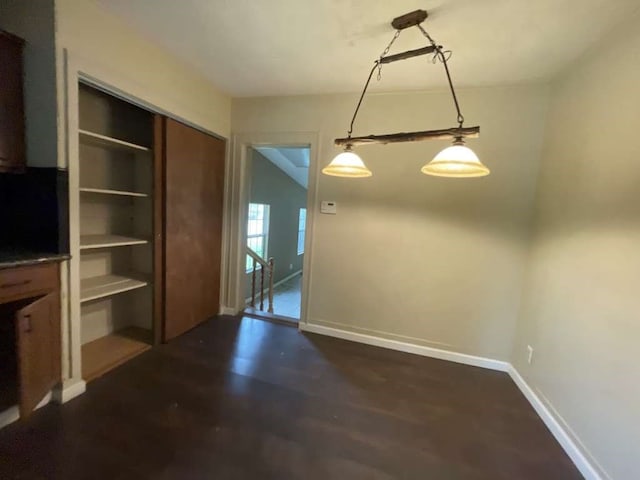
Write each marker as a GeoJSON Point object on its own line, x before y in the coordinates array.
{"type": "Point", "coordinates": [237, 204]}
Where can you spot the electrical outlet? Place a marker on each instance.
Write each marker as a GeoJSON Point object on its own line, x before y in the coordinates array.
{"type": "Point", "coordinates": [529, 354]}
{"type": "Point", "coordinates": [291, 266]}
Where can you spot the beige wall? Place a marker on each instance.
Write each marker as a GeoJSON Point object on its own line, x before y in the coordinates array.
{"type": "Point", "coordinates": [581, 305]}
{"type": "Point", "coordinates": [139, 67]}
{"type": "Point", "coordinates": [432, 261]}
{"type": "Point", "coordinates": [34, 22]}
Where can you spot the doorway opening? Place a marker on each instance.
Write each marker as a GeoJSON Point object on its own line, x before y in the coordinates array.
{"type": "Point", "coordinates": [276, 223]}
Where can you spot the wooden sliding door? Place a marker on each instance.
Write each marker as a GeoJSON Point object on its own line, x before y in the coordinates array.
{"type": "Point", "coordinates": [194, 185]}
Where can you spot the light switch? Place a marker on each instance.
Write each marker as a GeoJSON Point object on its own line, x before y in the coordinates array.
{"type": "Point", "coordinates": [329, 207]}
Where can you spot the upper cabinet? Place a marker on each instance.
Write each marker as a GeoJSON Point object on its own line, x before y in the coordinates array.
{"type": "Point", "coordinates": [12, 124]}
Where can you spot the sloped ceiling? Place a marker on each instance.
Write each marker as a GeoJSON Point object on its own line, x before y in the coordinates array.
{"type": "Point", "coordinates": [294, 161]}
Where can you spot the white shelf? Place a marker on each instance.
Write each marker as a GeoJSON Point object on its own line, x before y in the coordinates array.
{"type": "Point", "coordinates": [105, 241]}
{"type": "Point", "coordinates": [91, 138]}
{"type": "Point", "coordinates": [106, 286]}
{"type": "Point", "coordinates": [113, 192]}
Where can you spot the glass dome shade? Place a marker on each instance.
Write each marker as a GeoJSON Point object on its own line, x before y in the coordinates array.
{"type": "Point", "coordinates": [347, 164]}
{"type": "Point", "coordinates": [456, 161]}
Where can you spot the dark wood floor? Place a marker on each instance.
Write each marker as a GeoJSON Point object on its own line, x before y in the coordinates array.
{"type": "Point", "coordinates": [247, 399]}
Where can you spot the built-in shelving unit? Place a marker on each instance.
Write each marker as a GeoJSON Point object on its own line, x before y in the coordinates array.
{"type": "Point", "coordinates": [116, 223]}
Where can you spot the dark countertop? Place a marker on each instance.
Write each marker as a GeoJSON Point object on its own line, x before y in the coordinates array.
{"type": "Point", "coordinates": [18, 258]}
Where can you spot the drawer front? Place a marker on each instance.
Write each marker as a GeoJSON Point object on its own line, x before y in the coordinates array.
{"type": "Point", "coordinates": [23, 282]}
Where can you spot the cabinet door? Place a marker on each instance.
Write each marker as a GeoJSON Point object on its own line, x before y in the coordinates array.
{"type": "Point", "coordinates": [38, 338]}
{"type": "Point", "coordinates": [12, 146]}
{"type": "Point", "coordinates": [194, 192]}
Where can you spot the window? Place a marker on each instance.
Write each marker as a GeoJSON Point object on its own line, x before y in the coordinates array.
{"type": "Point", "coordinates": [302, 221]}
{"type": "Point", "coordinates": [257, 231]}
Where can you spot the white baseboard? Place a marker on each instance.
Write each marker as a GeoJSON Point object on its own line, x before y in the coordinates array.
{"type": "Point", "coordinates": [554, 423]}
{"type": "Point", "coordinates": [408, 347]}
{"type": "Point", "coordinates": [12, 414]}
{"type": "Point", "coordinates": [228, 311]}
{"type": "Point", "coordinates": [559, 429]}
{"type": "Point", "coordinates": [69, 390]}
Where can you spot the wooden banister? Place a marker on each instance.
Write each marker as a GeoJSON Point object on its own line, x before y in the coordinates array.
{"type": "Point", "coordinates": [268, 267]}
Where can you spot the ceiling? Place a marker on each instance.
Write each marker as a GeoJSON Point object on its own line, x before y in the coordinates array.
{"type": "Point", "coordinates": [288, 47]}
{"type": "Point", "coordinates": [294, 161]}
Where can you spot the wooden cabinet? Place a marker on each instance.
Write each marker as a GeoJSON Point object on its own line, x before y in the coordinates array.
{"type": "Point", "coordinates": [31, 351]}
{"type": "Point", "coordinates": [38, 341]}
{"type": "Point", "coordinates": [12, 124]}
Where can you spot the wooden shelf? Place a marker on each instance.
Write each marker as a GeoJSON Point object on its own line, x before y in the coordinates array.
{"type": "Point", "coordinates": [94, 288]}
{"type": "Point", "coordinates": [106, 191]}
{"type": "Point", "coordinates": [107, 241]}
{"type": "Point", "coordinates": [91, 138]}
{"type": "Point", "coordinates": [111, 351]}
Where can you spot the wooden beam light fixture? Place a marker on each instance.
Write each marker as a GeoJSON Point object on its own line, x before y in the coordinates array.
{"type": "Point", "coordinates": [455, 161]}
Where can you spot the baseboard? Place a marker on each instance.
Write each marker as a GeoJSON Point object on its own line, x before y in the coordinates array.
{"type": "Point", "coordinates": [12, 414]}
{"type": "Point", "coordinates": [228, 311]}
{"type": "Point", "coordinates": [69, 390]}
{"type": "Point", "coordinates": [559, 431]}
{"type": "Point", "coordinates": [440, 354]}
{"type": "Point", "coordinates": [8, 416]}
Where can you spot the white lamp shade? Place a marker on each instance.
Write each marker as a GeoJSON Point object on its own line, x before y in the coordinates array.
{"type": "Point", "coordinates": [456, 161]}
{"type": "Point", "coordinates": [347, 164]}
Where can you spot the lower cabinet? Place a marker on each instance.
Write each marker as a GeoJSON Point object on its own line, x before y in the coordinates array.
{"type": "Point", "coordinates": [30, 336]}
{"type": "Point", "coordinates": [38, 349]}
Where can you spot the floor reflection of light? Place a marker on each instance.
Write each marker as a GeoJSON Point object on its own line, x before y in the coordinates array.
{"type": "Point", "coordinates": [248, 349]}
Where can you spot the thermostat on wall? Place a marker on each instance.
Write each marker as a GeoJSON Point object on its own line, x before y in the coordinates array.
{"type": "Point", "coordinates": [328, 207]}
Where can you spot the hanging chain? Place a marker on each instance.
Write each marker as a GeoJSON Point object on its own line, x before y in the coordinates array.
{"type": "Point", "coordinates": [440, 54]}
{"type": "Point", "coordinates": [377, 64]}
{"type": "Point", "coordinates": [443, 56]}
{"type": "Point", "coordinates": [386, 50]}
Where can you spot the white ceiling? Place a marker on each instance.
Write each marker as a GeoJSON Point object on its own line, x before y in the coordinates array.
{"type": "Point", "coordinates": [285, 47]}
{"type": "Point", "coordinates": [294, 161]}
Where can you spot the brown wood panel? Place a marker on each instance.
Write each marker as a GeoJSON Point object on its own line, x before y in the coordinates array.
{"type": "Point", "coordinates": [158, 222]}
{"type": "Point", "coordinates": [29, 281]}
{"type": "Point", "coordinates": [194, 193]}
{"type": "Point", "coordinates": [12, 126]}
{"type": "Point", "coordinates": [38, 339]}
{"type": "Point", "coordinates": [111, 351]}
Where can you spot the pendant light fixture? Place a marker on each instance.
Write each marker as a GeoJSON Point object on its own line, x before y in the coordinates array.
{"type": "Point", "coordinates": [455, 161]}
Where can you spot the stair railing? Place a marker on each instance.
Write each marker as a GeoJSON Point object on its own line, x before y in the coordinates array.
{"type": "Point", "coordinates": [268, 267]}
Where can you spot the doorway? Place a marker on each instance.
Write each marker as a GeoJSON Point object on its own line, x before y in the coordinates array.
{"type": "Point", "coordinates": [276, 223]}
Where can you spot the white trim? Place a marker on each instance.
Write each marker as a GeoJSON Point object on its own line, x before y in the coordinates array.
{"type": "Point", "coordinates": [228, 311]}
{"type": "Point", "coordinates": [560, 430]}
{"type": "Point", "coordinates": [69, 390]}
{"type": "Point", "coordinates": [8, 416]}
{"type": "Point", "coordinates": [456, 357]}
{"type": "Point", "coordinates": [236, 210]}
{"type": "Point", "coordinates": [12, 414]}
